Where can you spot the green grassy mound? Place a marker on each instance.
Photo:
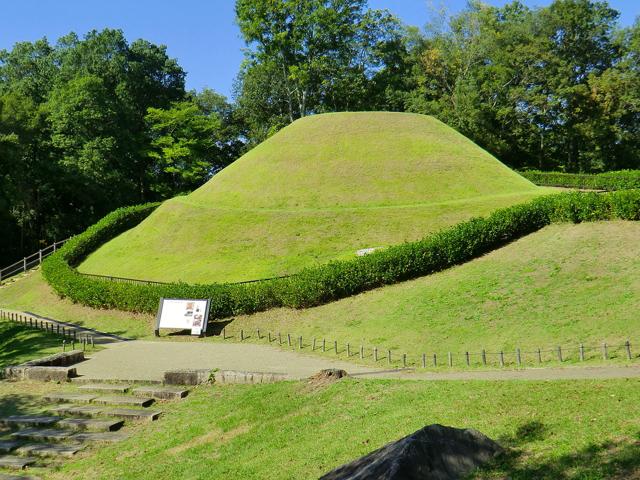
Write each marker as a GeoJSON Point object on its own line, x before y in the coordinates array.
{"type": "Point", "coordinates": [562, 285]}
{"type": "Point", "coordinates": [321, 189]}
{"type": "Point", "coordinates": [293, 431]}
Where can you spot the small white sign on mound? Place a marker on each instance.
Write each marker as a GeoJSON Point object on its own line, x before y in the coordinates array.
{"type": "Point", "coordinates": [183, 314]}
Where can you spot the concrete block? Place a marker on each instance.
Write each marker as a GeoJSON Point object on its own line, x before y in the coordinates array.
{"type": "Point", "coordinates": [186, 377]}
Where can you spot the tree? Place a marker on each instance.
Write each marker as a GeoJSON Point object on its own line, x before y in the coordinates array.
{"type": "Point", "coordinates": [191, 141]}
{"type": "Point", "coordinates": [309, 56]}
{"type": "Point", "coordinates": [528, 84]}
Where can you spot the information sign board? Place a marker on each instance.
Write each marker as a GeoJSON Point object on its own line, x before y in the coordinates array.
{"type": "Point", "coordinates": [184, 314]}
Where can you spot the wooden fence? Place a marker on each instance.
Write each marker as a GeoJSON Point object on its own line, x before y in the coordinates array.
{"type": "Point", "coordinates": [484, 358]}
{"type": "Point", "coordinates": [27, 263]}
{"type": "Point", "coordinates": [69, 335]}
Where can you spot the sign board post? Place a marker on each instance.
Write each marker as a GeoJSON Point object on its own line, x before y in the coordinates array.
{"type": "Point", "coordinates": [184, 314]}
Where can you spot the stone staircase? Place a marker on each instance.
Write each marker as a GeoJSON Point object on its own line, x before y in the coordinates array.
{"type": "Point", "coordinates": [71, 422]}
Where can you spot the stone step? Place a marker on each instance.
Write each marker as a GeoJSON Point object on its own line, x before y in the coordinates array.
{"type": "Point", "coordinates": [105, 388]}
{"type": "Point", "coordinates": [7, 446]}
{"type": "Point", "coordinates": [110, 437]}
{"type": "Point", "coordinates": [93, 424]}
{"type": "Point", "coordinates": [69, 397]}
{"type": "Point", "coordinates": [29, 421]}
{"type": "Point", "coordinates": [161, 393]}
{"type": "Point", "coordinates": [43, 435]}
{"type": "Point", "coordinates": [132, 414]}
{"type": "Point", "coordinates": [11, 461]}
{"type": "Point", "coordinates": [80, 410]}
{"type": "Point", "coordinates": [49, 450]}
{"type": "Point", "coordinates": [124, 400]}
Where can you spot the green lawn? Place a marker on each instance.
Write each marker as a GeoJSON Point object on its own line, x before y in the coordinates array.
{"type": "Point", "coordinates": [563, 285]}
{"type": "Point", "coordinates": [319, 190]}
{"type": "Point", "coordinates": [33, 294]}
{"type": "Point", "coordinates": [19, 343]}
{"type": "Point", "coordinates": [569, 430]}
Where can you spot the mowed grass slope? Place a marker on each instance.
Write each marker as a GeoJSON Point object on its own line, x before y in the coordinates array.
{"type": "Point", "coordinates": [563, 285]}
{"type": "Point", "coordinates": [33, 294]}
{"type": "Point", "coordinates": [569, 430]}
{"type": "Point", "coordinates": [320, 189]}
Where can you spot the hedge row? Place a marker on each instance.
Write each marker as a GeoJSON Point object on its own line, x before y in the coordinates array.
{"type": "Point", "coordinates": [317, 285]}
{"type": "Point", "coordinates": [610, 181]}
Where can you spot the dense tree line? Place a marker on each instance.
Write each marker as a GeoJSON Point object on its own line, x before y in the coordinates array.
{"type": "Point", "coordinates": [90, 124]}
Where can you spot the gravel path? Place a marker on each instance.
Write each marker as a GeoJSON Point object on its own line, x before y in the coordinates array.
{"type": "Point", "coordinates": [143, 360]}
{"type": "Point", "coordinates": [148, 360]}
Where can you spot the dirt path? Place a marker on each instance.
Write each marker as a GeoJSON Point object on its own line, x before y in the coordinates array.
{"type": "Point", "coordinates": [148, 360]}
{"type": "Point", "coordinates": [143, 360]}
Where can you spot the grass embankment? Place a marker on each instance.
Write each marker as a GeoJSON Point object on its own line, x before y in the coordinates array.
{"type": "Point", "coordinates": [33, 294]}
{"type": "Point", "coordinates": [563, 285]}
{"type": "Point", "coordinates": [319, 190]}
{"type": "Point", "coordinates": [579, 429]}
{"type": "Point", "coordinates": [19, 344]}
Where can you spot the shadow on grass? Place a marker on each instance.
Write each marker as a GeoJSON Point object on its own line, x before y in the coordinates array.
{"type": "Point", "coordinates": [611, 459]}
{"type": "Point", "coordinates": [19, 343]}
{"type": "Point", "coordinates": [19, 404]}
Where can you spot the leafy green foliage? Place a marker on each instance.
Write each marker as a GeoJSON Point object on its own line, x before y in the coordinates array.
{"type": "Point", "coordinates": [84, 129]}
{"type": "Point", "coordinates": [322, 284]}
{"type": "Point", "coordinates": [616, 180]}
{"type": "Point", "coordinates": [313, 56]}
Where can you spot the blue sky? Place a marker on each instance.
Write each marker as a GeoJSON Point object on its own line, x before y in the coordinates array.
{"type": "Point", "coordinates": [201, 34]}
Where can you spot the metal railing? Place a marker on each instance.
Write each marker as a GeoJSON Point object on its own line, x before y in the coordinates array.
{"type": "Point", "coordinates": [33, 260]}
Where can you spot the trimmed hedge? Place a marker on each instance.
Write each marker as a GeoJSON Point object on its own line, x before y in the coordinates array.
{"type": "Point", "coordinates": [610, 181]}
{"type": "Point", "coordinates": [317, 285]}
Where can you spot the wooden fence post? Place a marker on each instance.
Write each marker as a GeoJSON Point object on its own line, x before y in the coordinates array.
{"type": "Point", "coordinates": [501, 358]}
{"type": "Point", "coordinates": [404, 360]}
{"type": "Point", "coordinates": [389, 356]}
{"type": "Point", "coordinates": [289, 339]}
{"type": "Point", "coordinates": [539, 356]}
{"type": "Point", "coordinates": [627, 346]}
{"type": "Point", "coordinates": [324, 344]}
{"type": "Point", "coordinates": [435, 360]}
{"type": "Point", "coordinates": [424, 360]}
{"type": "Point", "coordinates": [375, 354]}
{"type": "Point", "coordinates": [518, 357]}
{"type": "Point", "coordinates": [560, 353]}
{"type": "Point", "coordinates": [361, 352]}
{"type": "Point", "coordinates": [605, 352]}
{"type": "Point", "coordinates": [468, 359]}
{"type": "Point", "coordinates": [450, 357]}
{"type": "Point", "coordinates": [300, 342]}
{"type": "Point", "coordinates": [484, 357]}
{"type": "Point", "coordinates": [581, 350]}
{"type": "Point", "coordinates": [348, 350]}
{"type": "Point", "coordinates": [313, 348]}
{"type": "Point", "coordinates": [335, 346]}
